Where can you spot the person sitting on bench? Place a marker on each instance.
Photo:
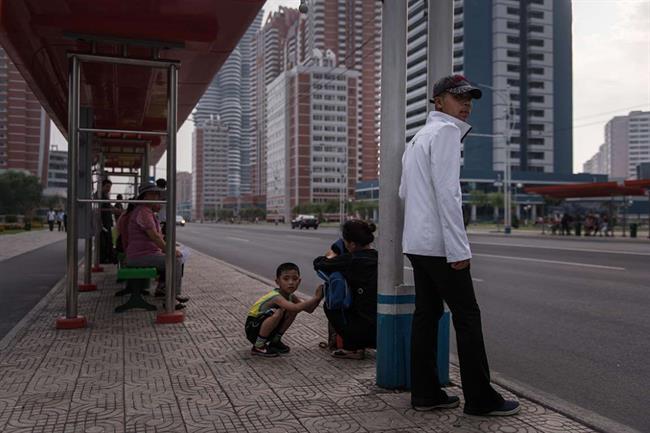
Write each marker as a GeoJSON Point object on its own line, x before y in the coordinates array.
{"type": "Point", "coordinates": [146, 247]}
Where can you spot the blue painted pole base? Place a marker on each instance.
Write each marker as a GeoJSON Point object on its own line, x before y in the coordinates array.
{"type": "Point", "coordinates": [394, 350]}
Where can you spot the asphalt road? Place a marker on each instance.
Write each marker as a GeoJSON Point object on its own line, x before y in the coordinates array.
{"type": "Point", "coordinates": [27, 278]}
{"type": "Point", "coordinates": [566, 316]}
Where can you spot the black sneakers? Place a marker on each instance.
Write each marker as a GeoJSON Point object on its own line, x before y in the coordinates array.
{"type": "Point", "coordinates": [423, 406]}
{"type": "Point", "coordinates": [279, 347]}
{"type": "Point", "coordinates": [509, 407]}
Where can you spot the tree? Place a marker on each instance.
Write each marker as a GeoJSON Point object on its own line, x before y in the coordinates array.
{"type": "Point", "coordinates": [20, 193]}
{"type": "Point", "coordinates": [495, 200]}
{"type": "Point", "coordinates": [479, 198]}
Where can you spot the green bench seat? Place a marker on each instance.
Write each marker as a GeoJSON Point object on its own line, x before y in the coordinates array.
{"type": "Point", "coordinates": [137, 279]}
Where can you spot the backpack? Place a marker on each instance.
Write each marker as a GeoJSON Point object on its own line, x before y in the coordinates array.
{"type": "Point", "coordinates": [337, 293]}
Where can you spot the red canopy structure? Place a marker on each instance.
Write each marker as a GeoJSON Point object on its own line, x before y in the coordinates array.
{"type": "Point", "coordinates": [38, 36]}
{"type": "Point", "coordinates": [119, 77]}
{"type": "Point", "coordinates": [599, 189]}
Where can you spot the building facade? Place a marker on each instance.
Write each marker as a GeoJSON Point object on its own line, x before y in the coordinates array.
{"type": "Point", "coordinates": [24, 125]}
{"type": "Point", "coordinates": [230, 97]}
{"type": "Point", "coordinates": [210, 164]}
{"type": "Point", "coordinates": [519, 53]}
{"type": "Point", "coordinates": [57, 173]}
{"type": "Point", "coordinates": [312, 134]}
{"type": "Point", "coordinates": [352, 31]}
{"type": "Point", "coordinates": [627, 145]}
{"type": "Point", "coordinates": [183, 190]}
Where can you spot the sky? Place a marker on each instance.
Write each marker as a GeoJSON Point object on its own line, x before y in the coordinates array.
{"type": "Point", "coordinates": [611, 73]}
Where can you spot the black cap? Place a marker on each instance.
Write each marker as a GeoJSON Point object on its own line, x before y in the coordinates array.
{"type": "Point", "coordinates": [456, 84]}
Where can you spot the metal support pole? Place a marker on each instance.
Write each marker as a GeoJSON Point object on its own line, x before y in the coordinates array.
{"type": "Point", "coordinates": [97, 216]}
{"type": "Point", "coordinates": [72, 253]}
{"type": "Point", "coordinates": [393, 365]}
{"type": "Point", "coordinates": [145, 164]}
{"type": "Point", "coordinates": [170, 268]}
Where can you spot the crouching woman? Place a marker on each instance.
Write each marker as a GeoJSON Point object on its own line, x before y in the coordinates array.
{"type": "Point", "coordinates": [356, 325]}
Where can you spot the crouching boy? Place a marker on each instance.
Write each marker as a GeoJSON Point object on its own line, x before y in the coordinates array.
{"type": "Point", "coordinates": [272, 314]}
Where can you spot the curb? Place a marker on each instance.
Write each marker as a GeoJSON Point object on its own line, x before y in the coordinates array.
{"type": "Point", "coordinates": [25, 321]}
{"type": "Point", "coordinates": [570, 410]}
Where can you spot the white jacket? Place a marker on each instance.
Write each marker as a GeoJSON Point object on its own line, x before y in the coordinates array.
{"type": "Point", "coordinates": [430, 188]}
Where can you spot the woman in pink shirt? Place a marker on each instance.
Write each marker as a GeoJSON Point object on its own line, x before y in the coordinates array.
{"type": "Point", "coordinates": [146, 246]}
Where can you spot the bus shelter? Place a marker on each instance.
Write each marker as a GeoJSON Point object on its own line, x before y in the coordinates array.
{"type": "Point", "coordinates": [607, 190]}
{"type": "Point", "coordinates": [118, 78]}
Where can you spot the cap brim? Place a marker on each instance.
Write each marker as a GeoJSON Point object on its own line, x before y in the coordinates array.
{"type": "Point", "coordinates": [475, 92]}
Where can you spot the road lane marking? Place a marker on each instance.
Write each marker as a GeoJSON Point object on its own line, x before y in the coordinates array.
{"type": "Point", "coordinates": [478, 280]}
{"type": "Point", "coordinates": [237, 239]}
{"type": "Point", "coordinates": [556, 262]}
{"type": "Point", "coordinates": [540, 247]}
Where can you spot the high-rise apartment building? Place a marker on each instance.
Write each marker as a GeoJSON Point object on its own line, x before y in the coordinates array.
{"type": "Point", "coordinates": [312, 135]}
{"type": "Point", "coordinates": [519, 52]}
{"type": "Point", "coordinates": [627, 146]}
{"type": "Point", "coordinates": [352, 31]}
{"type": "Point", "coordinates": [210, 164]}
{"type": "Point", "coordinates": [229, 96]}
{"type": "Point", "coordinates": [278, 46]}
{"type": "Point", "coordinates": [24, 126]}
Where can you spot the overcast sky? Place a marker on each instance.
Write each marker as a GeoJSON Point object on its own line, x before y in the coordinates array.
{"type": "Point", "coordinates": [611, 72]}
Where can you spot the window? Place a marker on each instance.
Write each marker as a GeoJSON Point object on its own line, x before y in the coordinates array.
{"type": "Point", "coordinates": [458, 68]}
{"type": "Point", "coordinates": [458, 39]}
{"type": "Point", "coordinates": [536, 28]}
{"type": "Point", "coordinates": [513, 11]}
{"type": "Point", "coordinates": [536, 141]}
{"type": "Point", "coordinates": [513, 25]}
{"type": "Point", "coordinates": [514, 83]}
{"type": "Point", "coordinates": [536, 56]}
{"type": "Point", "coordinates": [512, 53]}
{"type": "Point", "coordinates": [536, 14]}
{"type": "Point", "coordinates": [458, 53]}
{"type": "Point", "coordinates": [536, 98]}
{"type": "Point", "coordinates": [513, 68]}
{"type": "Point", "coordinates": [536, 71]}
{"type": "Point", "coordinates": [535, 127]}
{"type": "Point", "coordinates": [536, 113]}
{"type": "Point", "coordinates": [535, 155]}
{"type": "Point", "coordinates": [458, 25]}
{"type": "Point", "coordinates": [513, 40]}
{"type": "Point", "coordinates": [536, 84]}
{"type": "Point", "coordinates": [536, 42]}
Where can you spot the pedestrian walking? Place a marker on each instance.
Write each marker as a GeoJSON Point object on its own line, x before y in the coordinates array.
{"type": "Point", "coordinates": [435, 241]}
{"type": "Point", "coordinates": [59, 220]}
{"type": "Point", "coordinates": [51, 218]}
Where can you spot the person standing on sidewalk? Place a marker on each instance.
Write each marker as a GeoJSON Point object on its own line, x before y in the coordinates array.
{"type": "Point", "coordinates": [51, 217]}
{"type": "Point", "coordinates": [435, 241]}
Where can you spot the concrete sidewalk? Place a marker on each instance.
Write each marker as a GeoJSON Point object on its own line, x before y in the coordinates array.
{"type": "Point", "coordinates": [125, 374]}
{"type": "Point", "coordinates": [19, 243]}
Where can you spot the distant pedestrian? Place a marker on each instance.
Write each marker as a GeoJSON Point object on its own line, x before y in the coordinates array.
{"type": "Point", "coordinates": [435, 241]}
{"type": "Point", "coordinates": [51, 218]}
{"type": "Point", "coordinates": [106, 250]}
{"type": "Point", "coordinates": [59, 220]}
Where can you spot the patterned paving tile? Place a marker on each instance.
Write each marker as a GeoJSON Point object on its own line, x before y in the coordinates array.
{"type": "Point", "coordinates": [125, 374]}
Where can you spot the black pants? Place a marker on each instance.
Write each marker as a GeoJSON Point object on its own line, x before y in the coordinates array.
{"type": "Point", "coordinates": [51, 224]}
{"type": "Point", "coordinates": [357, 331]}
{"type": "Point", "coordinates": [106, 251]}
{"type": "Point", "coordinates": [435, 282]}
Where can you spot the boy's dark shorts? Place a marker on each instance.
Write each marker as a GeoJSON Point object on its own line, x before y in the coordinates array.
{"type": "Point", "coordinates": [253, 325]}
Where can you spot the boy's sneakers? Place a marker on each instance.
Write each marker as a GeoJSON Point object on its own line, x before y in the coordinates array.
{"type": "Point", "coordinates": [507, 408]}
{"type": "Point", "coordinates": [449, 403]}
{"type": "Point", "coordinates": [266, 351]}
{"type": "Point", "coordinates": [279, 347]}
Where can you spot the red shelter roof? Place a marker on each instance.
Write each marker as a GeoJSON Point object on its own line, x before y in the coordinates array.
{"type": "Point", "coordinates": [598, 189]}
{"type": "Point", "coordinates": [201, 34]}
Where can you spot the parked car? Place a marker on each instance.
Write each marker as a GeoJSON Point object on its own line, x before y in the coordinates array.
{"type": "Point", "coordinates": [304, 222]}
{"type": "Point", "coordinates": [180, 221]}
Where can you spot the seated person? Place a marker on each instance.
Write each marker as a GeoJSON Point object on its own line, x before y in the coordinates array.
{"type": "Point", "coordinates": [122, 229]}
{"type": "Point", "coordinates": [146, 247]}
{"type": "Point", "coordinates": [272, 314]}
{"type": "Point", "coordinates": [357, 325]}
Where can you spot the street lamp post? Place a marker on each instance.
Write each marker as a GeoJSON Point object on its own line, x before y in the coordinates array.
{"type": "Point", "coordinates": [504, 95]}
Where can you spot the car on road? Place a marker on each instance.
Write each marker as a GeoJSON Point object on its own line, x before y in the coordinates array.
{"type": "Point", "coordinates": [305, 222]}
{"type": "Point", "coordinates": [180, 221]}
